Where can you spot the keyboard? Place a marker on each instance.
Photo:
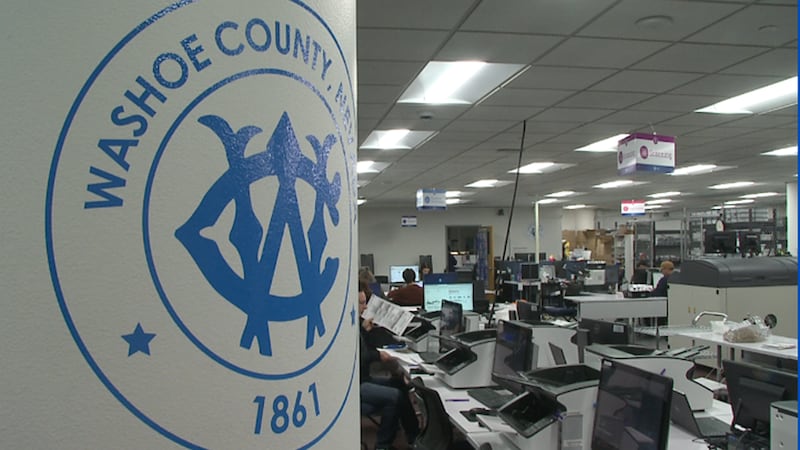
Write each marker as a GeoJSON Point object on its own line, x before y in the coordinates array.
{"type": "Point", "coordinates": [491, 398]}
{"type": "Point", "coordinates": [430, 357]}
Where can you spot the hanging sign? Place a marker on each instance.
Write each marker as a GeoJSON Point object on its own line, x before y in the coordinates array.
{"type": "Point", "coordinates": [408, 221]}
{"type": "Point", "coordinates": [431, 199]}
{"type": "Point", "coordinates": [632, 208]}
{"type": "Point", "coordinates": [642, 152]}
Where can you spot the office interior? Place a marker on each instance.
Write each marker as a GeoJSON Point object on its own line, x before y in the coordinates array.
{"type": "Point", "coordinates": [579, 77]}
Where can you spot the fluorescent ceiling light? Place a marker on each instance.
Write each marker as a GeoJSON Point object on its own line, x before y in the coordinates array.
{"type": "Point", "coordinates": [734, 185]}
{"type": "Point", "coordinates": [488, 183]}
{"type": "Point", "coordinates": [396, 139]}
{"type": "Point", "coordinates": [716, 207]}
{"type": "Point", "coordinates": [614, 184]}
{"type": "Point", "coordinates": [547, 201]}
{"type": "Point", "coordinates": [452, 194]}
{"type": "Point", "coordinates": [788, 151]}
{"type": "Point", "coordinates": [765, 99]}
{"type": "Point", "coordinates": [562, 194]}
{"type": "Point", "coordinates": [364, 166]}
{"type": "Point", "coordinates": [694, 170]}
{"type": "Point", "coordinates": [361, 201]}
{"type": "Point", "coordinates": [653, 206]}
{"type": "Point", "coordinates": [457, 82]}
{"type": "Point", "coordinates": [659, 201]}
{"type": "Point", "coordinates": [536, 167]}
{"type": "Point", "coordinates": [740, 202]}
{"type": "Point", "coordinates": [483, 184]}
{"type": "Point", "coordinates": [456, 201]}
{"type": "Point", "coordinates": [761, 195]}
{"type": "Point", "coordinates": [606, 145]}
{"type": "Point", "coordinates": [581, 206]}
{"type": "Point", "coordinates": [664, 194]}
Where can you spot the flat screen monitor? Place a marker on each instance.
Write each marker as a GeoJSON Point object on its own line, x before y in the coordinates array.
{"type": "Point", "coordinates": [722, 242]}
{"type": "Point", "coordinates": [547, 271]}
{"type": "Point", "coordinates": [751, 390]}
{"type": "Point", "coordinates": [529, 271]}
{"type": "Point", "coordinates": [632, 409]}
{"type": "Point", "coordinates": [606, 332]}
{"type": "Point", "coordinates": [396, 273]}
{"type": "Point", "coordinates": [513, 354]}
{"type": "Point", "coordinates": [451, 322]}
{"type": "Point", "coordinates": [656, 275]}
{"type": "Point", "coordinates": [440, 278]}
{"type": "Point", "coordinates": [750, 243]}
{"type": "Point", "coordinates": [528, 311]}
{"type": "Point", "coordinates": [434, 294]}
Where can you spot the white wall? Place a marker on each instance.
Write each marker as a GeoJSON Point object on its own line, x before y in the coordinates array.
{"type": "Point", "coordinates": [578, 219]}
{"type": "Point", "coordinates": [380, 233]}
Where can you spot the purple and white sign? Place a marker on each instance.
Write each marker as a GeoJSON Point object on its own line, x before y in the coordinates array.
{"type": "Point", "coordinates": [431, 199]}
{"type": "Point", "coordinates": [632, 208]}
{"type": "Point", "coordinates": [641, 152]}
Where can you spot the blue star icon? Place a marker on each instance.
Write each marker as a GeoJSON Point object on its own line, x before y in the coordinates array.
{"type": "Point", "coordinates": [138, 341]}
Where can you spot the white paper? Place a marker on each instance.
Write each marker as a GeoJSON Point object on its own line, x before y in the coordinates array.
{"type": "Point", "coordinates": [388, 315]}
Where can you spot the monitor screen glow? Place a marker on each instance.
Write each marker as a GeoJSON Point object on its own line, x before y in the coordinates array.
{"type": "Point", "coordinates": [396, 273]}
{"type": "Point", "coordinates": [457, 292]}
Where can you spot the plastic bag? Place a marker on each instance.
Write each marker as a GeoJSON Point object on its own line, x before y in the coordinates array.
{"type": "Point", "coordinates": [752, 329]}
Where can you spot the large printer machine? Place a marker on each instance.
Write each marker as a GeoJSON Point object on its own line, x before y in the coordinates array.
{"type": "Point", "coordinates": [737, 287]}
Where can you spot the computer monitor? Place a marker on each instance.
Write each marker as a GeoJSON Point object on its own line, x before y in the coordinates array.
{"type": "Point", "coordinates": [750, 243]}
{"type": "Point", "coordinates": [606, 332]}
{"type": "Point", "coordinates": [396, 273]}
{"type": "Point", "coordinates": [513, 354]}
{"type": "Point", "coordinates": [632, 409]}
{"type": "Point", "coordinates": [433, 294]}
{"type": "Point", "coordinates": [529, 271]}
{"type": "Point", "coordinates": [656, 275]}
{"type": "Point", "coordinates": [529, 257]}
{"type": "Point", "coordinates": [451, 322]}
{"type": "Point", "coordinates": [528, 311]}
{"type": "Point", "coordinates": [723, 242]}
{"type": "Point", "coordinates": [440, 278]}
{"type": "Point", "coordinates": [751, 390]}
{"type": "Point", "coordinates": [547, 271]}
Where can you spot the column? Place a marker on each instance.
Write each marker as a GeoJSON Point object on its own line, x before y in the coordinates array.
{"type": "Point", "coordinates": [791, 217]}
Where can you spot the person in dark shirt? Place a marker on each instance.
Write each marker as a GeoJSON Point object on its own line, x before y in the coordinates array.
{"type": "Point", "coordinates": [410, 294]}
{"type": "Point", "coordinates": [387, 396]}
{"type": "Point", "coordinates": [663, 284]}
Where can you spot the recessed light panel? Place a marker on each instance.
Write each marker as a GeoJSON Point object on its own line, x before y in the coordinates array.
{"type": "Point", "coordinates": [788, 151]}
{"type": "Point", "coordinates": [665, 194]}
{"type": "Point", "coordinates": [761, 195]}
{"type": "Point", "coordinates": [614, 184]}
{"type": "Point", "coordinates": [740, 202]}
{"type": "Point", "coordinates": [734, 185]}
{"type": "Point", "coordinates": [768, 98]}
{"type": "Point", "coordinates": [606, 145]}
{"type": "Point", "coordinates": [547, 201]}
{"type": "Point", "coordinates": [396, 139]}
{"type": "Point", "coordinates": [658, 201]}
{"type": "Point", "coordinates": [694, 170]}
{"type": "Point", "coordinates": [579, 206]}
{"type": "Point", "coordinates": [561, 194]}
{"type": "Point", "coordinates": [457, 82]}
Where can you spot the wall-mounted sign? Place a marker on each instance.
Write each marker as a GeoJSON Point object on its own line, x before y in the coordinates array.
{"type": "Point", "coordinates": [632, 208]}
{"type": "Point", "coordinates": [408, 221]}
{"type": "Point", "coordinates": [428, 199]}
{"type": "Point", "coordinates": [642, 152]}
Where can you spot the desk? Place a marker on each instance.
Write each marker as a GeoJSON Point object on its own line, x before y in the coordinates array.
{"type": "Point", "coordinates": [608, 306]}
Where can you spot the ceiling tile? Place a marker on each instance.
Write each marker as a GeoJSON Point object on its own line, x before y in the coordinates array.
{"type": "Point", "coordinates": [687, 17]}
{"type": "Point", "coordinates": [559, 77]}
{"type": "Point", "coordinates": [698, 57]}
{"type": "Point", "coordinates": [534, 16]}
{"type": "Point", "coordinates": [492, 113]}
{"type": "Point", "coordinates": [645, 81]}
{"type": "Point", "coordinates": [400, 45]}
{"type": "Point", "coordinates": [414, 124]}
{"type": "Point", "coordinates": [371, 110]}
{"type": "Point", "coordinates": [615, 100]}
{"type": "Point", "coordinates": [526, 97]}
{"type": "Point", "coordinates": [675, 102]}
{"type": "Point", "coordinates": [387, 72]}
{"type": "Point", "coordinates": [781, 62]}
{"type": "Point", "coordinates": [417, 111]}
{"type": "Point", "coordinates": [700, 120]}
{"type": "Point", "coordinates": [496, 47]}
{"type": "Point", "coordinates": [759, 121]}
{"type": "Point", "coordinates": [746, 27]}
{"type": "Point", "coordinates": [571, 114]}
{"type": "Point", "coordinates": [638, 118]}
{"type": "Point", "coordinates": [441, 14]}
{"type": "Point", "coordinates": [725, 85]}
{"type": "Point", "coordinates": [587, 52]}
{"type": "Point", "coordinates": [475, 124]}
{"type": "Point", "coordinates": [378, 93]}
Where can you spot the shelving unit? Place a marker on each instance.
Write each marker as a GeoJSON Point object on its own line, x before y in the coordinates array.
{"type": "Point", "coordinates": [771, 230]}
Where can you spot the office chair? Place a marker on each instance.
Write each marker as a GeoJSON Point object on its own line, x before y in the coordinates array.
{"type": "Point", "coordinates": [436, 432]}
{"type": "Point", "coordinates": [554, 304]}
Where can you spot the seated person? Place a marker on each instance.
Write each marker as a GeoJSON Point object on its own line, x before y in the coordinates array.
{"type": "Point", "coordinates": [663, 284]}
{"type": "Point", "coordinates": [640, 273]}
{"type": "Point", "coordinates": [387, 396]}
{"type": "Point", "coordinates": [410, 294]}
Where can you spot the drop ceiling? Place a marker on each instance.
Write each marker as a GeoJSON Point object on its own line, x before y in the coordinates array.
{"type": "Point", "coordinates": [596, 70]}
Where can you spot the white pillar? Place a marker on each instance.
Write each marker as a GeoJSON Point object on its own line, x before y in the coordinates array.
{"type": "Point", "coordinates": [197, 282]}
{"type": "Point", "coordinates": [791, 217]}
